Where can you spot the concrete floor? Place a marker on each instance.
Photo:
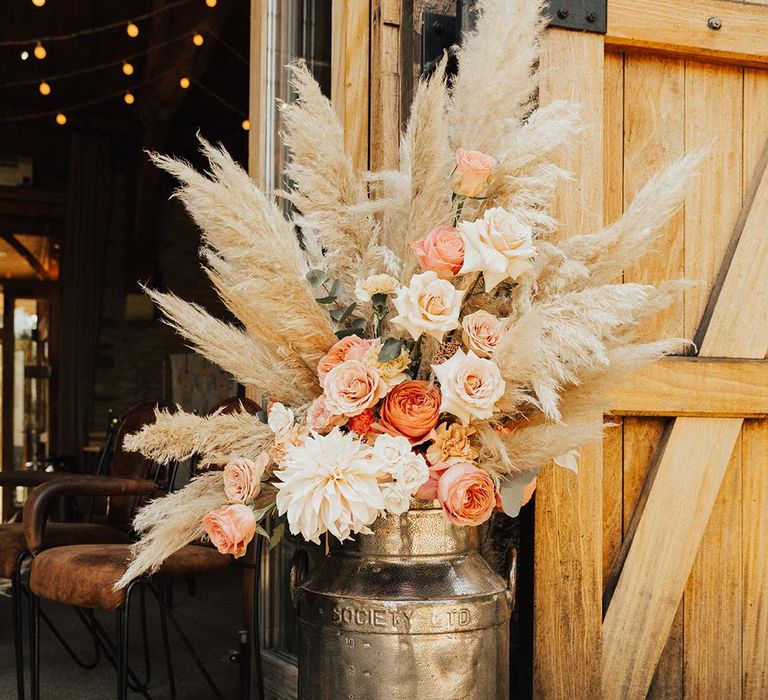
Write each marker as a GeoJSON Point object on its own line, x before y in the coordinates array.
{"type": "Point", "coordinates": [210, 618]}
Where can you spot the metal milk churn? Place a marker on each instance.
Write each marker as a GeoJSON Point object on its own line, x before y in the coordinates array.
{"type": "Point", "coordinates": [410, 611]}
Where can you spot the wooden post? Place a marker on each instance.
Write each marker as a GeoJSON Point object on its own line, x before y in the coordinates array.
{"type": "Point", "coordinates": [568, 546]}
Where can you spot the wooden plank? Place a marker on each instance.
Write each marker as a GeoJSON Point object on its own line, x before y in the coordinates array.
{"type": "Point", "coordinates": [713, 597]}
{"type": "Point", "coordinates": [568, 507]}
{"type": "Point", "coordinates": [256, 98]}
{"type": "Point", "coordinates": [696, 386]}
{"type": "Point", "coordinates": [613, 507]}
{"type": "Point", "coordinates": [755, 559]}
{"type": "Point", "coordinates": [350, 37]}
{"type": "Point", "coordinates": [680, 28]}
{"type": "Point", "coordinates": [652, 580]}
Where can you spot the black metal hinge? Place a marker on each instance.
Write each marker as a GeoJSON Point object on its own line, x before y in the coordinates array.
{"type": "Point", "coordinates": [582, 15]}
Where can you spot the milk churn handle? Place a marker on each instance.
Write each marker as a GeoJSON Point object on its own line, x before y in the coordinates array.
{"type": "Point", "coordinates": [299, 568]}
{"type": "Point", "coordinates": [511, 574]}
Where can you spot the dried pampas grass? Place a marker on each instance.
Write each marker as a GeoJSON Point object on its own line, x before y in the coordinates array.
{"type": "Point", "coordinates": [215, 438]}
{"type": "Point", "coordinates": [169, 523]}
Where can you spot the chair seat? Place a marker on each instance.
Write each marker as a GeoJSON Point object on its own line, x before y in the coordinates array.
{"type": "Point", "coordinates": [85, 575]}
{"type": "Point", "coordinates": [12, 542]}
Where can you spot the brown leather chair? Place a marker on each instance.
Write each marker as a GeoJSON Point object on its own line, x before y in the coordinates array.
{"type": "Point", "coordinates": [13, 548]}
{"type": "Point", "coordinates": [84, 575]}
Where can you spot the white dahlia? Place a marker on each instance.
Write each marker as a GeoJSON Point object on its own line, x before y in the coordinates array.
{"type": "Point", "coordinates": [329, 483]}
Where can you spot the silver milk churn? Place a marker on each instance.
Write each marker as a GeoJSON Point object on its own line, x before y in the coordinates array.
{"type": "Point", "coordinates": [411, 611]}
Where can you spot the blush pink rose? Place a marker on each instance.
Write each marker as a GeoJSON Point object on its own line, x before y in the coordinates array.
{"type": "Point", "coordinates": [467, 494]}
{"type": "Point", "coordinates": [442, 251]}
{"type": "Point", "coordinates": [428, 490]}
{"type": "Point", "coordinates": [350, 348]}
{"type": "Point", "coordinates": [320, 419]}
{"type": "Point", "coordinates": [231, 528]}
{"type": "Point", "coordinates": [351, 387]}
{"type": "Point", "coordinates": [473, 173]}
{"type": "Point", "coordinates": [480, 332]}
{"type": "Point", "coordinates": [242, 477]}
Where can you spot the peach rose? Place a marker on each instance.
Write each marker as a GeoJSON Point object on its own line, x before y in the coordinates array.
{"type": "Point", "coordinates": [242, 477]}
{"type": "Point", "coordinates": [467, 494]}
{"type": "Point", "coordinates": [428, 490]}
{"type": "Point", "coordinates": [319, 418]}
{"type": "Point", "coordinates": [231, 528]}
{"type": "Point", "coordinates": [428, 305]}
{"type": "Point", "coordinates": [351, 387]}
{"type": "Point", "coordinates": [442, 251]}
{"type": "Point", "coordinates": [411, 409]}
{"type": "Point", "coordinates": [350, 348]}
{"type": "Point", "coordinates": [473, 173]}
{"type": "Point", "coordinates": [480, 332]}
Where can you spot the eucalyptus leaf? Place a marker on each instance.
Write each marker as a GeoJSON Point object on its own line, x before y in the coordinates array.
{"type": "Point", "coordinates": [261, 531]}
{"type": "Point", "coordinates": [341, 315]}
{"type": "Point", "coordinates": [359, 324]}
{"type": "Point", "coordinates": [391, 349]}
{"type": "Point", "coordinates": [277, 535]}
{"type": "Point", "coordinates": [317, 277]}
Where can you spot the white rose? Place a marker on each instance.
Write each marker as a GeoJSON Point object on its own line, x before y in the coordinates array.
{"type": "Point", "coordinates": [280, 419]}
{"type": "Point", "coordinates": [388, 450]}
{"type": "Point", "coordinates": [411, 473]}
{"type": "Point", "coordinates": [480, 332]}
{"type": "Point", "coordinates": [428, 305]}
{"type": "Point", "coordinates": [396, 499]}
{"type": "Point", "coordinates": [497, 245]}
{"type": "Point", "coordinates": [375, 284]}
{"type": "Point", "coordinates": [470, 386]}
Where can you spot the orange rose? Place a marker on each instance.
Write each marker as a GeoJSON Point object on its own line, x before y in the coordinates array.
{"type": "Point", "coordinates": [473, 172]}
{"type": "Point", "coordinates": [231, 528]}
{"type": "Point", "coordinates": [350, 348]}
{"type": "Point", "coordinates": [411, 409]}
{"type": "Point", "coordinates": [467, 494]}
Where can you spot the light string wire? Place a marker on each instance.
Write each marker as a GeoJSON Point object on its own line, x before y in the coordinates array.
{"type": "Point", "coordinates": [218, 97]}
{"type": "Point", "coordinates": [93, 30]}
{"type": "Point", "coordinates": [99, 66]}
{"type": "Point", "coordinates": [229, 48]}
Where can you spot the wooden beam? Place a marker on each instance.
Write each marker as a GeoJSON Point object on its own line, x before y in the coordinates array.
{"type": "Point", "coordinates": [568, 543]}
{"type": "Point", "coordinates": [696, 386]}
{"type": "Point", "coordinates": [256, 95]}
{"type": "Point", "coordinates": [681, 29]}
{"type": "Point", "coordinates": [690, 472]}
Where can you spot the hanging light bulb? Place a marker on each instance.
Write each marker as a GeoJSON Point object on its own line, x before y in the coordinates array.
{"type": "Point", "coordinates": [246, 124]}
{"type": "Point", "coordinates": [61, 119]}
{"type": "Point", "coordinates": [38, 3]}
{"type": "Point", "coordinates": [45, 88]}
{"type": "Point", "coordinates": [184, 83]}
{"type": "Point", "coordinates": [198, 40]}
{"type": "Point", "coordinates": [211, 3]}
{"type": "Point", "coordinates": [132, 30]}
{"type": "Point", "coordinates": [128, 98]}
{"type": "Point", "coordinates": [24, 55]}
{"type": "Point", "coordinates": [128, 68]}
{"type": "Point", "coordinates": [40, 52]}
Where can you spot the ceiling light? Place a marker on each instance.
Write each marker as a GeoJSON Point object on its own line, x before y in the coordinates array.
{"type": "Point", "coordinates": [246, 124]}
{"type": "Point", "coordinates": [211, 3]}
{"type": "Point", "coordinates": [38, 3]}
{"type": "Point", "coordinates": [61, 119]}
{"type": "Point", "coordinates": [128, 98]}
{"type": "Point", "coordinates": [184, 82]}
{"type": "Point", "coordinates": [198, 40]}
{"type": "Point", "coordinates": [128, 68]}
{"type": "Point", "coordinates": [24, 55]}
{"type": "Point", "coordinates": [40, 52]}
{"type": "Point", "coordinates": [132, 30]}
{"type": "Point", "coordinates": [45, 88]}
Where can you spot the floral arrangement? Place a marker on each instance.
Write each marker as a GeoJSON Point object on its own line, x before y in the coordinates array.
{"type": "Point", "coordinates": [419, 333]}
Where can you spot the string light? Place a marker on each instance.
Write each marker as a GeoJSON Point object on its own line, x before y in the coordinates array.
{"type": "Point", "coordinates": [184, 83]}
{"type": "Point", "coordinates": [132, 30]}
{"type": "Point", "coordinates": [24, 55]}
{"type": "Point", "coordinates": [39, 51]}
{"type": "Point", "coordinates": [128, 68]}
{"type": "Point", "coordinates": [246, 124]}
{"type": "Point", "coordinates": [45, 88]}
{"type": "Point", "coordinates": [211, 3]}
{"type": "Point", "coordinates": [38, 3]}
{"type": "Point", "coordinates": [128, 98]}
{"type": "Point", "coordinates": [198, 40]}
{"type": "Point", "coordinates": [61, 119]}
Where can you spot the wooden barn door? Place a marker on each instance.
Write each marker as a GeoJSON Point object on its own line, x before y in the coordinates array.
{"type": "Point", "coordinates": [669, 517]}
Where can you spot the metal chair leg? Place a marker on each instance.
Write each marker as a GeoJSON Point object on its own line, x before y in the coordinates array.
{"type": "Point", "coordinates": [123, 639]}
{"type": "Point", "coordinates": [167, 646]}
{"type": "Point", "coordinates": [34, 646]}
{"type": "Point", "coordinates": [18, 625]}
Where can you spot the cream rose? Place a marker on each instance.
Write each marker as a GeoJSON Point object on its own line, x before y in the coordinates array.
{"type": "Point", "coordinates": [428, 305]}
{"type": "Point", "coordinates": [480, 332]}
{"type": "Point", "coordinates": [351, 387]}
{"type": "Point", "coordinates": [280, 419]}
{"type": "Point", "coordinates": [242, 477]}
{"type": "Point", "coordinates": [396, 499]}
{"type": "Point", "coordinates": [470, 386]}
{"type": "Point", "coordinates": [497, 245]}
